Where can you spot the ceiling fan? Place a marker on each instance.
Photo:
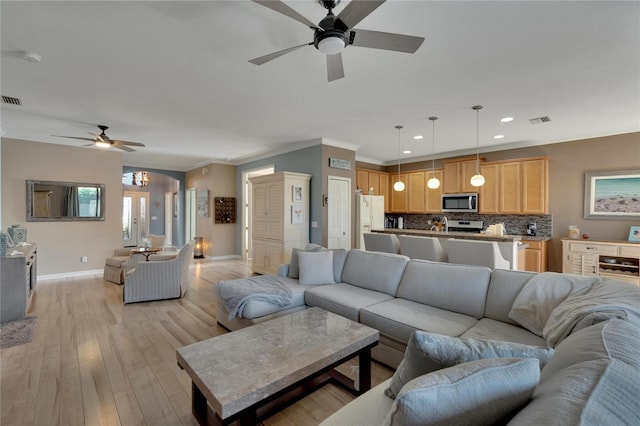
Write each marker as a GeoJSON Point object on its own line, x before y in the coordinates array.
{"type": "Point", "coordinates": [334, 33]}
{"type": "Point", "coordinates": [103, 141]}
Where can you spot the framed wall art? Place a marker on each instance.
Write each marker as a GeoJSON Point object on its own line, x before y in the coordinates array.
{"type": "Point", "coordinates": [296, 195]}
{"type": "Point", "coordinates": [612, 194]}
{"type": "Point", "coordinates": [202, 202]}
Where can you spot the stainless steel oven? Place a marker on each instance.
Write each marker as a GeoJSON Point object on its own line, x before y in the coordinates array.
{"type": "Point", "coordinates": [460, 202]}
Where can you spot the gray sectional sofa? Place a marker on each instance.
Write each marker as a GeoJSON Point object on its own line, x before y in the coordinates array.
{"type": "Point", "coordinates": [399, 296]}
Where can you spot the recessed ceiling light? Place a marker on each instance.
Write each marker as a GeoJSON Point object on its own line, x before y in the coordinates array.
{"type": "Point", "coordinates": [506, 119]}
{"type": "Point", "coordinates": [406, 152]}
{"type": "Point", "coordinates": [498, 136]}
{"type": "Point", "coordinates": [418, 137]}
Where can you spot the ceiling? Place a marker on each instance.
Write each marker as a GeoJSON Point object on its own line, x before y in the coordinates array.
{"type": "Point", "coordinates": [175, 76]}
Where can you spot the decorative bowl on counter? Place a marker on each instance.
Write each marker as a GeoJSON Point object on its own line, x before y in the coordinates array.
{"type": "Point", "coordinates": [609, 260]}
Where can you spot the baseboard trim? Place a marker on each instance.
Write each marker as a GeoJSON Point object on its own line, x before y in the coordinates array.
{"type": "Point", "coordinates": [70, 274]}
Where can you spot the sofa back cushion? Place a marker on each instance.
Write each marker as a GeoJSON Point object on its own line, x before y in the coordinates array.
{"type": "Point", "coordinates": [457, 288]}
{"type": "Point", "coordinates": [374, 270]}
{"type": "Point", "coordinates": [504, 287]}
{"type": "Point", "coordinates": [339, 257]}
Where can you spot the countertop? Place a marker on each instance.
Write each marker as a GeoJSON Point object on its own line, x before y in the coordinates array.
{"type": "Point", "coordinates": [465, 235]}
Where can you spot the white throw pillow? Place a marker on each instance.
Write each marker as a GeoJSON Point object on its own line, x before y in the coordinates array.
{"type": "Point", "coordinates": [294, 266]}
{"type": "Point", "coordinates": [316, 268]}
{"type": "Point", "coordinates": [427, 352]}
{"type": "Point", "coordinates": [484, 392]}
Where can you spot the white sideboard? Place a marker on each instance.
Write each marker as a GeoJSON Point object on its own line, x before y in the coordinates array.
{"type": "Point", "coordinates": [17, 281]}
{"type": "Point", "coordinates": [613, 259]}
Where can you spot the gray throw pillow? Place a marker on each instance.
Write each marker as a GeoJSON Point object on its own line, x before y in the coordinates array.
{"type": "Point", "coordinates": [483, 392]}
{"type": "Point", "coordinates": [316, 268]}
{"type": "Point", "coordinates": [294, 266]}
{"type": "Point", "coordinates": [427, 352]}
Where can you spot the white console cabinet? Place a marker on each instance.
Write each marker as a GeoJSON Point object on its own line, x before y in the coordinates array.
{"type": "Point", "coordinates": [18, 274]}
{"type": "Point", "coordinates": [279, 219]}
{"type": "Point", "coordinates": [613, 259]}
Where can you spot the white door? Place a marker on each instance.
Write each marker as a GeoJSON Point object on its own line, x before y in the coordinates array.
{"type": "Point", "coordinates": [135, 218]}
{"type": "Point", "coordinates": [168, 217]}
{"type": "Point", "coordinates": [190, 214]}
{"type": "Point", "coordinates": [339, 213]}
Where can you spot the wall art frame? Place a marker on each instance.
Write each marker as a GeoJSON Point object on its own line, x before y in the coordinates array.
{"type": "Point", "coordinates": [612, 194]}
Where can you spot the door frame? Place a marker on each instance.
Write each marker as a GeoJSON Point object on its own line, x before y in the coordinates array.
{"type": "Point", "coordinates": [135, 206]}
{"type": "Point", "coordinates": [247, 205]}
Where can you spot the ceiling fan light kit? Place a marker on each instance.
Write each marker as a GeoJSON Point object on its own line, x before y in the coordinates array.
{"type": "Point", "coordinates": [334, 33]}
{"type": "Point", "coordinates": [104, 141]}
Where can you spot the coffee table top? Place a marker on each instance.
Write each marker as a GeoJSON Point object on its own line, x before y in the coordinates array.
{"type": "Point", "coordinates": [145, 250]}
{"type": "Point", "coordinates": [236, 370]}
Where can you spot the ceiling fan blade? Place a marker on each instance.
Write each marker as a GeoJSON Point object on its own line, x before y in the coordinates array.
{"type": "Point", "coordinates": [387, 41]}
{"type": "Point", "coordinates": [120, 143]}
{"type": "Point", "coordinates": [266, 58]}
{"type": "Point", "coordinates": [356, 11]}
{"type": "Point", "coordinates": [75, 137]}
{"type": "Point", "coordinates": [124, 148]}
{"type": "Point", "coordinates": [280, 7]}
{"type": "Point", "coordinates": [335, 70]}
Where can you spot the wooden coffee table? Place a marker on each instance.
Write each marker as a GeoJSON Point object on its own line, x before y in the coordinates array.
{"type": "Point", "coordinates": [249, 374]}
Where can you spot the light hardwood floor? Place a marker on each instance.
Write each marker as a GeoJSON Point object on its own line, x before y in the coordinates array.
{"type": "Point", "coordinates": [95, 361]}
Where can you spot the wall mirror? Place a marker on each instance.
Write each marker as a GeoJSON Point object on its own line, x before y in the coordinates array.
{"type": "Point", "coordinates": [49, 201]}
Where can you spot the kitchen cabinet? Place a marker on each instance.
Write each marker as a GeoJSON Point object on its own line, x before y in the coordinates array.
{"type": "Point", "coordinates": [457, 175]}
{"type": "Point", "coordinates": [489, 193]}
{"type": "Point", "coordinates": [362, 180]}
{"type": "Point", "coordinates": [279, 218]}
{"type": "Point", "coordinates": [415, 192]}
{"type": "Point", "coordinates": [535, 186]}
{"type": "Point", "coordinates": [399, 199]}
{"type": "Point", "coordinates": [536, 256]}
{"type": "Point", "coordinates": [384, 190]}
{"type": "Point", "coordinates": [379, 181]}
{"type": "Point", "coordinates": [433, 197]}
{"type": "Point", "coordinates": [510, 188]}
{"type": "Point", "coordinates": [612, 259]}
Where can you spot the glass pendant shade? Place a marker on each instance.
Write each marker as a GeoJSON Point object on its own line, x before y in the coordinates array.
{"type": "Point", "coordinates": [433, 183]}
{"type": "Point", "coordinates": [398, 186]}
{"type": "Point", "coordinates": [477, 179]}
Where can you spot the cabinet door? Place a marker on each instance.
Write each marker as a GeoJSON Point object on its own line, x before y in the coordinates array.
{"type": "Point", "coordinates": [259, 261]}
{"type": "Point", "coordinates": [275, 209]}
{"type": "Point", "coordinates": [467, 171]}
{"type": "Point", "coordinates": [489, 193]}
{"type": "Point", "coordinates": [374, 183]}
{"type": "Point", "coordinates": [536, 256]}
{"type": "Point", "coordinates": [362, 180]}
{"type": "Point", "coordinates": [384, 190]}
{"type": "Point", "coordinates": [415, 192]}
{"type": "Point", "coordinates": [274, 256]}
{"type": "Point", "coordinates": [510, 202]}
{"type": "Point", "coordinates": [535, 186]}
{"type": "Point", "coordinates": [399, 198]}
{"type": "Point", "coordinates": [451, 178]}
{"type": "Point", "coordinates": [433, 197]}
{"type": "Point", "coordinates": [259, 215]}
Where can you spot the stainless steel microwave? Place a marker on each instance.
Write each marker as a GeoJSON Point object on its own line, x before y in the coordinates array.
{"type": "Point", "coordinates": [460, 202]}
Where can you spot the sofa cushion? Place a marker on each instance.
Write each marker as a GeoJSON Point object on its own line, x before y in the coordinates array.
{"type": "Point", "coordinates": [374, 270]}
{"type": "Point", "coordinates": [399, 318]}
{"type": "Point", "coordinates": [343, 299]}
{"type": "Point", "coordinates": [490, 329]}
{"type": "Point", "coordinates": [368, 409]}
{"type": "Point", "coordinates": [596, 392]}
{"type": "Point", "coordinates": [615, 339]}
{"type": "Point", "coordinates": [316, 268]}
{"type": "Point", "coordinates": [540, 296]}
{"type": "Point", "coordinates": [504, 287]}
{"type": "Point", "coordinates": [457, 288]}
{"type": "Point", "coordinates": [427, 352]}
{"type": "Point", "coordinates": [294, 266]}
{"type": "Point", "coordinates": [484, 392]}
{"type": "Point", "coordinates": [116, 261]}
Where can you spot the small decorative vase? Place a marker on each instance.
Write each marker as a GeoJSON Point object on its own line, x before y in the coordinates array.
{"type": "Point", "coordinates": [18, 234]}
{"type": "Point", "coordinates": [3, 244]}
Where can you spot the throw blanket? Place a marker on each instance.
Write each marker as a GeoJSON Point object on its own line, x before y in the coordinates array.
{"type": "Point", "coordinates": [605, 299]}
{"type": "Point", "coordinates": [237, 293]}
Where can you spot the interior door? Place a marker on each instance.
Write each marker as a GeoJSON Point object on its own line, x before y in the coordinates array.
{"type": "Point", "coordinates": [339, 213]}
{"type": "Point", "coordinates": [135, 218]}
{"type": "Point", "coordinates": [168, 218]}
{"type": "Point", "coordinates": [190, 216]}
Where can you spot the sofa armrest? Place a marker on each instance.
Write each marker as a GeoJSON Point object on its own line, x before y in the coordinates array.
{"type": "Point", "coordinates": [283, 270]}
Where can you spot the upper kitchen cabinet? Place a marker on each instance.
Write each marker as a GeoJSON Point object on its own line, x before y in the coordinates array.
{"type": "Point", "coordinates": [416, 192]}
{"type": "Point", "coordinates": [379, 181]}
{"type": "Point", "coordinates": [515, 187]}
{"type": "Point", "coordinates": [456, 175]}
{"type": "Point", "coordinates": [433, 197]}
{"type": "Point", "coordinates": [399, 199]}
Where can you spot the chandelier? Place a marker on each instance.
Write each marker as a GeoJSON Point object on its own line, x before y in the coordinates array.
{"type": "Point", "coordinates": [140, 178]}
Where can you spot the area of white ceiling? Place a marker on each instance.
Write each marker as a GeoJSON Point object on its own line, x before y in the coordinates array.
{"type": "Point", "coordinates": [175, 76]}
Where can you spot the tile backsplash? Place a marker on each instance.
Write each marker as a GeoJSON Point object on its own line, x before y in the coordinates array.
{"type": "Point", "coordinates": [514, 224]}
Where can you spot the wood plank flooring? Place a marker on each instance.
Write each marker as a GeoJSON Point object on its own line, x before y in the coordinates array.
{"type": "Point", "coordinates": [95, 361]}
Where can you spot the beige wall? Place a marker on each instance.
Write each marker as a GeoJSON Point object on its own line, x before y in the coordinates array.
{"type": "Point", "coordinates": [220, 180]}
{"type": "Point", "coordinates": [61, 244]}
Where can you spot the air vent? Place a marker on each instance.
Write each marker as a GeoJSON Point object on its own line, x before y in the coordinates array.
{"type": "Point", "coordinates": [540, 120]}
{"type": "Point", "coordinates": [11, 101]}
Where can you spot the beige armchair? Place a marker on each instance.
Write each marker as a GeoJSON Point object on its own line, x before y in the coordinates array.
{"type": "Point", "coordinates": [113, 265]}
{"type": "Point", "coordinates": [426, 248]}
{"type": "Point", "coordinates": [473, 252]}
{"type": "Point", "coordinates": [157, 241]}
{"type": "Point", "coordinates": [158, 279]}
{"type": "Point", "coordinates": [387, 243]}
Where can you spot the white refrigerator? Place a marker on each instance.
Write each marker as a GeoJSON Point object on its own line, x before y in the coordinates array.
{"type": "Point", "coordinates": [369, 216]}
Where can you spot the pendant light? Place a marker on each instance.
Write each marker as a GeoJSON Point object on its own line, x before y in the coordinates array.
{"type": "Point", "coordinates": [477, 179]}
{"type": "Point", "coordinates": [433, 183]}
{"type": "Point", "coordinates": [399, 185]}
